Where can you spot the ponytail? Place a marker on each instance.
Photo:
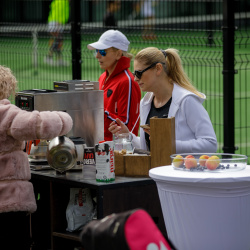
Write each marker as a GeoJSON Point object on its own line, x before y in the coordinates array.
{"type": "Point", "coordinates": [172, 65]}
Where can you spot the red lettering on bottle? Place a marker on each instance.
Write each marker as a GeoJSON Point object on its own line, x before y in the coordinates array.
{"type": "Point", "coordinates": [111, 152]}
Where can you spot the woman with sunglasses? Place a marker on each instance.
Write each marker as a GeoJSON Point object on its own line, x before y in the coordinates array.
{"type": "Point", "coordinates": [122, 94]}
{"type": "Point", "coordinates": [170, 94]}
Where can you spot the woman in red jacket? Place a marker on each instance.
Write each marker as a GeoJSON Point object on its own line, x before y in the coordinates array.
{"type": "Point", "coordinates": [122, 94]}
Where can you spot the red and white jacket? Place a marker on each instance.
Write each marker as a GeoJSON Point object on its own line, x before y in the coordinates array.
{"type": "Point", "coordinates": [122, 97]}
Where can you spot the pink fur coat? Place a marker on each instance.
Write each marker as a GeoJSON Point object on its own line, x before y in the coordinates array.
{"type": "Point", "coordinates": [16, 126]}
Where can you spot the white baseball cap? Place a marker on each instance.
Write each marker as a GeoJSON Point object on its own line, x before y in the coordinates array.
{"type": "Point", "coordinates": [111, 38]}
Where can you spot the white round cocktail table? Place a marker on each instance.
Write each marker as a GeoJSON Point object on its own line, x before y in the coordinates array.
{"type": "Point", "coordinates": [205, 210]}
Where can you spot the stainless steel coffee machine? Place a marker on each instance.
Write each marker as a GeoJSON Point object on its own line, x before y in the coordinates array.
{"type": "Point", "coordinates": [81, 99]}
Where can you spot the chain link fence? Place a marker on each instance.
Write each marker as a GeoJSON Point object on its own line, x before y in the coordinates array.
{"type": "Point", "coordinates": [194, 27]}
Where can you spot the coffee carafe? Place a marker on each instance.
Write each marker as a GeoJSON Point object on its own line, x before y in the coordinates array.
{"type": "Point", "coordinates": [61, 154]}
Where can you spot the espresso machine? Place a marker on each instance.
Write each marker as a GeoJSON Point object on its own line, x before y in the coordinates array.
{"type": "Point", "coordinates": [81, 99]}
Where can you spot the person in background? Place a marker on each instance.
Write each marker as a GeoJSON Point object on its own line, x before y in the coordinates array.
{"type": "Point", "coordinates": [135, 14]}
{"type": "Point", "coordinates": [17, 200]}
{"type": "Point", "coordinates": [109, 20]}
{"type": "Point", "coordinates": [148, 12]}
{"type": "Point", "coordinates": [145, 9]}
{"type": "Point", "coordinates": [58, 17]}
{"type": "Point", "coordinates": [170, 94]}
{"type": "Point", "coordinates": [121, 93]}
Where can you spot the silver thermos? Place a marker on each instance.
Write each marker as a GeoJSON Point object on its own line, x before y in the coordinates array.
{"type": "Point", "coordinates": [61, 154]}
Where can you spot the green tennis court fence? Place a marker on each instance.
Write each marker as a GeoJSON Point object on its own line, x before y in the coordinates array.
{"type": "Point", "coordinates": [195, 31]}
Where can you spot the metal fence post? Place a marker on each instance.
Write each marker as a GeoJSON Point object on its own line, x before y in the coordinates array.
{"type": "Point", "coordinates": [76, 39]}
{"type": "Point", "coordinates": [228, 75]}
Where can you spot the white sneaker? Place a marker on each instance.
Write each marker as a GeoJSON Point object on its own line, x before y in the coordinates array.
{"type": "Point", "coordinates": [61, 62]}
{"type": "Point", "coordinates": [49, 60]}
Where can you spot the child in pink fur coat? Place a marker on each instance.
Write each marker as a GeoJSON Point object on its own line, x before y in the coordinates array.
{"type": "Point", "coordinates": [16, 126]}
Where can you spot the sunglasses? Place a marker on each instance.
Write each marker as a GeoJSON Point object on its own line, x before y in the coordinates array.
{"type": "Point", "coordinates": [138, 73]}
{"type": "Point", "coordinates": [101, 51]}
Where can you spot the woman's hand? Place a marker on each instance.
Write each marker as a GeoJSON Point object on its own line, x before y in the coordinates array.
{"type": "Point", "coordinates": [146, 131]}
{"type": "Point", "coordinates": [117, 127]}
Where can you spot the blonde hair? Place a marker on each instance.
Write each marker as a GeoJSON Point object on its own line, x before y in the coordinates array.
{"type": "Point", "coordinates": [171, 63]}
{"type": "Point", "coordinates": [8, 83]}
{"type": "Point", "coordinates": [125, 53]}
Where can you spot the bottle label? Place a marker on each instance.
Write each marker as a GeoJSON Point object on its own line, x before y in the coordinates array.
{"type": "Point", "coordinates": [89, 156]}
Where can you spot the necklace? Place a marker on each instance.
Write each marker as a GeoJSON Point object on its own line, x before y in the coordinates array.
{"type": "Point", "coordinates": [158, 104]}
